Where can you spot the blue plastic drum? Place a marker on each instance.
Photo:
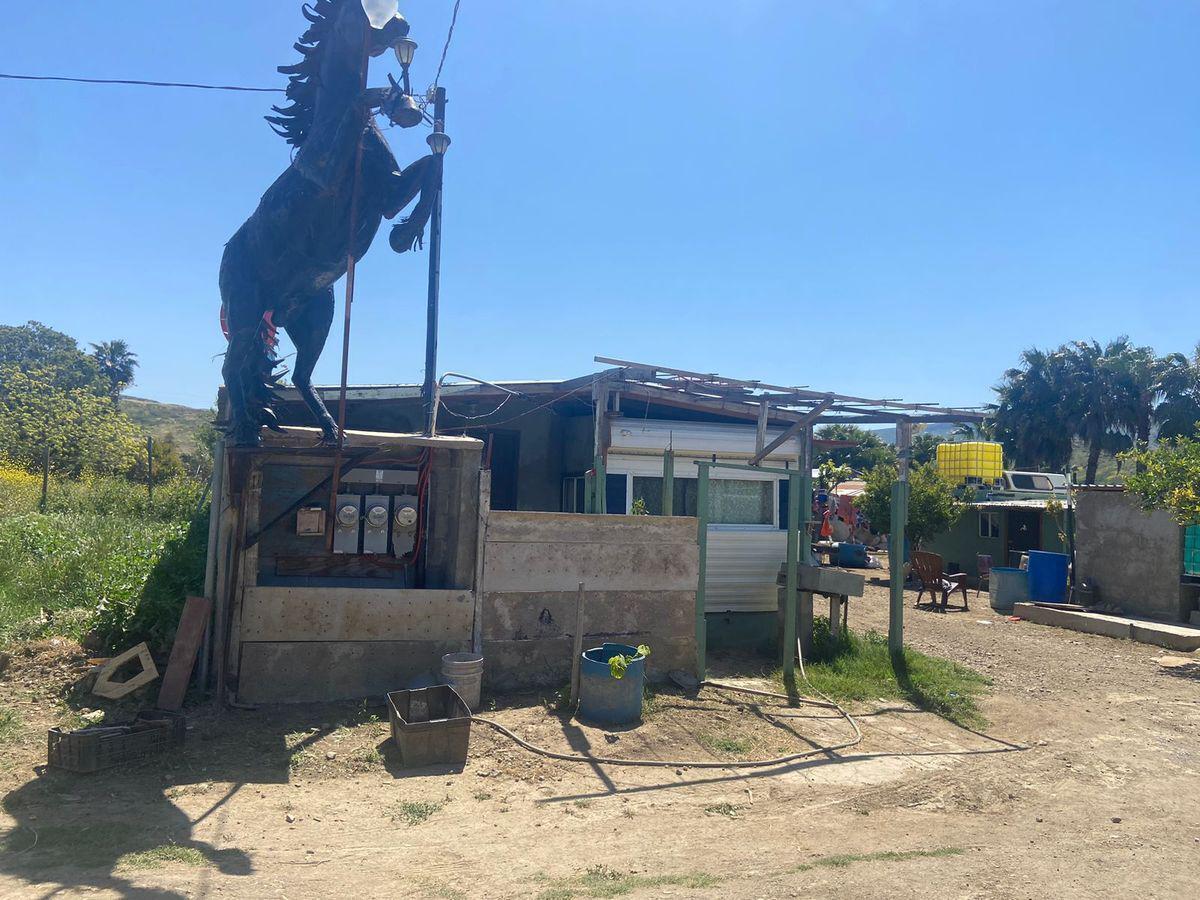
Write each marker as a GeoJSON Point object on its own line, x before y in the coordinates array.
{"type": "Point", "coordinates": [608, 700]}
{"type": "Point", "coordinates": [1048, 576]}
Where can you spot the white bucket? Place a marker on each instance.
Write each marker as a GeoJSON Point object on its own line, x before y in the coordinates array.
{"type": "Point", "coordinates": [464, 673]}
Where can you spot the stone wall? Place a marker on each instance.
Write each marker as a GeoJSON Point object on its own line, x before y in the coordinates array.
{"type": "Point", "coordinates": [1133, 557]}
{"type": "Point", "coordinates": [639, 575]}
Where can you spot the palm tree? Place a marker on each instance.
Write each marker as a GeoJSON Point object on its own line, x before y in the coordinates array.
{"type": "Point", "coordinates": [116, 362]}
{"type": "Point", "coordinates": [1152, 387]}
{"type": "Point", "coordinates": [1100, 393]}
{"type": "Point", "coordinates": [1033, 403]}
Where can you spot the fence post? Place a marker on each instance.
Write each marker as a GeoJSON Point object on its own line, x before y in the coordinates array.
{"type": "Point", "coordinates": [45, 480]}
{"type": "Point", "coordinates": [149, 471]}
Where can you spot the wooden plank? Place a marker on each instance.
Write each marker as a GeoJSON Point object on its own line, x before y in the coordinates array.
{"type": "Point", "coordinates": [356, 614]}
{"type": "Point", "coordinates": [559, 566]}
{"type": "Point", "coordinates": [192, 622]}
{"type": "Point", "coordinates": [562, 528]}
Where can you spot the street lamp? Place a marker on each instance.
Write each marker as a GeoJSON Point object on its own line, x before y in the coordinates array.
{"type": "Point", "coordinates": [406, 49]}
{"type": "Point", "coordinates": [439, 142]}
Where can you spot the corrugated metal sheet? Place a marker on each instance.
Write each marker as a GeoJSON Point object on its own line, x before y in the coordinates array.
{"type": "Point", "coordinates": [742, 567]}
{"type": "Point", "coordinates": [655, 436]}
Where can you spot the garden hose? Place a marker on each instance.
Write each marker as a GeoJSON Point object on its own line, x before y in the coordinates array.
{"type": "Point", "coordinates": [825, 702]}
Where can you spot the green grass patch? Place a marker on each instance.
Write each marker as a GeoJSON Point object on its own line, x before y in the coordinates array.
{"type": "Point", "coordinates": [156, 857]}
{"type": "Point", "coordinates": [859, 667]}
{"type": "Point", "coordinates": [10, 725]}
{"type": "Point", "coordinates": [841, 861]}
{"type": "Point", "coordinates": [603, 881]}
{"type": "Point", "coordinates": [415, 812]}
{"type": "Point", "coordinates": [725, 743]}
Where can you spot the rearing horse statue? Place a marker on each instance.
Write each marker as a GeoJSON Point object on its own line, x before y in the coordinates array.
{"type": "Point", "coordinates": [280, 266]}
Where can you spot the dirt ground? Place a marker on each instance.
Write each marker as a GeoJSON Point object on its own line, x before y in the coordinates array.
{"type": "Point", "coordinates": [1085, 783]}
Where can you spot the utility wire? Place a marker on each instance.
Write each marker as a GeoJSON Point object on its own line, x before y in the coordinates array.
{"type": "Point", "coordinates": [446, 46]}
{"type": "Point", "coordinates": [167, 84]}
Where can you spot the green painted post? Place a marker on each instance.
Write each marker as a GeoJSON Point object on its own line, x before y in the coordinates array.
{"type": "Point", "coordinates": [668, 483]}
{"type": "Point", "coordinates": [896, 542]}
{"type": "Point", "coordinates": [795, 489]}
{"type": "Point", "coordinates": [589, 492]}
{"type": "Point", "coordinates": [702, 542]}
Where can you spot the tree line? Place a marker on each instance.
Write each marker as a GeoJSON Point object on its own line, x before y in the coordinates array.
{"type": "Point", "coordinates": [58, 399]}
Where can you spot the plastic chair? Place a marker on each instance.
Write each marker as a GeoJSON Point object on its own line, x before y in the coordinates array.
{"type": "Point", "coordinates": [930, 568]}
{"type": "Point", "coordinates": [983, 562]}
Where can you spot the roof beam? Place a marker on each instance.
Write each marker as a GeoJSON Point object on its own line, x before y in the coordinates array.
{"type": "Point", "coordinates": [806, 420]}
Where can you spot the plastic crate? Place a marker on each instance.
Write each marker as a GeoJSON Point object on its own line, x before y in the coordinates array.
{"type": "Point", "coordinates": [971, 461]}
{"type": "Point", "coordinates": [104, 746]}
{"type": "Point", "coordinates": [431, 726]}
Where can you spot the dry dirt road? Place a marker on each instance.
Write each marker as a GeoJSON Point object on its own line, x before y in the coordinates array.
{"type": "Point", "coordinates": [1086, 783]}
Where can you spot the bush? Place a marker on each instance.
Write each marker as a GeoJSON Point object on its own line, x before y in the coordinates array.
{"type": "Point", "coordinates": [119, 579]}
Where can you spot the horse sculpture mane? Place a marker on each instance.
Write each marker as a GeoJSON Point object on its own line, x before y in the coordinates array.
{"type": "Point", "coordinates": [294, 120]}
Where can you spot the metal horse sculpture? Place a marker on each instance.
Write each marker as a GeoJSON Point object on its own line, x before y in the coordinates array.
{"type": "Point", "coordinates": [280, 266]}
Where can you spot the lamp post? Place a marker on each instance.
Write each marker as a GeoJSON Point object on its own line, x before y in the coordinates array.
{"type": "Point", "coordinates": [439, 143]}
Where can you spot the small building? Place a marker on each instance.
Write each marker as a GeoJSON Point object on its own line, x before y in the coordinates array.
{"type": "Point", "coordinates": [1002, 529]}
{"type": "Point", "coordinates": [544, 442]}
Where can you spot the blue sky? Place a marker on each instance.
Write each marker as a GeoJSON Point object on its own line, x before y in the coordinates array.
{"type": "Point", "coordinates": [881, 198]}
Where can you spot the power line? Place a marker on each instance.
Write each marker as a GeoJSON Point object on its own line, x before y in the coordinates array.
{"type": "Point", "coordinates": [167, 84]}
{"type": "Point", "coordinates": [446, 46]}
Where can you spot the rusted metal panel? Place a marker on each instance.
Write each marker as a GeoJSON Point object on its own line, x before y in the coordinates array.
{"type": "Point", "coordinates": [356, 614]}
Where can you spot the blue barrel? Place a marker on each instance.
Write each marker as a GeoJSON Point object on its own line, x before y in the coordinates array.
{"type": "Point", "coordinates": [1048, 576]}
{"type": "Point", "coordinates": [1007, 586]}
{"type": "Point", "coordinates": [602, 698]}
{"type": "Point", "coordinates": [852, 556]}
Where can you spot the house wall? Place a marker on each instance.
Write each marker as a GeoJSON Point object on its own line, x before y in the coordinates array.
{"type": "Point", "coordinates": [1133, 557]}
{"type": "Point", "coordinates": [639, 575]}
{"type": "Point", "coordinates": [961, 545]}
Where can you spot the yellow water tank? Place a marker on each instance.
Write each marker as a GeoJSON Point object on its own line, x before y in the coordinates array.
{"type": "Point", "coordinates": [972, 461]}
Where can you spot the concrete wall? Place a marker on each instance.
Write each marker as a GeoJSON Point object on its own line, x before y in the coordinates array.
{"type": "Point", "coordinates": [640, 580]}
{"type": "Point", "coordinates": [1133, 557]}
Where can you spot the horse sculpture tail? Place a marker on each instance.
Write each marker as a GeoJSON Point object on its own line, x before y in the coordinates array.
{"type": "Point", "coordinates": [258, 370]}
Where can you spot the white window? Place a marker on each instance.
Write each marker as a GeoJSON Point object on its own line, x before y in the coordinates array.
{"type": "Point", "coordinates": [573, 492]}
{"type": "Point", "coordinates": [989, 525]}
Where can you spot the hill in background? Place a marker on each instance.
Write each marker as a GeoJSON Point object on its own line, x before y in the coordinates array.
{"type": "Point", "coordinates": [161, 419]}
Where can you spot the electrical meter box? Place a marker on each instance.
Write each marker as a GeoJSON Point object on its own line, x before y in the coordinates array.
{"type": "Point", "coordinates": [347, 523]}
{"type": "Point", "coordinates": [404, 524]}
{"type": "Point", "coordinates": [376, 513]}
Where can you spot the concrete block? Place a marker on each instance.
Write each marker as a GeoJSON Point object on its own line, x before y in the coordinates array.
{"type": "Point", "coordinates": [601, 565]}
{"type": "Point", "coordinates": [1088, 623]}
{"type": "Point", "coordinates": [825, 580]}
{"type": "Point", "coordinates": [1162, 634]}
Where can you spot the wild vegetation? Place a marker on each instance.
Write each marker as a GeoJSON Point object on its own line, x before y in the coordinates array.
{"type": "Point", "coordinates": [96, 556]}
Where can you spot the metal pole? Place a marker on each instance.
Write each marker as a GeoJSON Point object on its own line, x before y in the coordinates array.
{"type": "Point", "coordinates": [149, 468]}
{"type": "Point", "coordinates": [668, 483]}
{"type": "Point", "coordinates": [789, 602]}
{"type": "Point", "coordinates": [702, 542]}
{"type": "Point", "coordinates": [435, 273]}
{"type": "Point", "coordinates": [896, 543]}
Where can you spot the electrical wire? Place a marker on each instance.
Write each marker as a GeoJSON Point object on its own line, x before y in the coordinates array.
{"type": "Point", "coordinates": [485, 415]}
{"type": "Point", "coordinates": [166, 84]}
{"type": "Point", "coordinates": [585, 387]}
{"type": "Point", "coordinates": [826, 702]}
{"type": "Point", "coordinates": [446, 46]}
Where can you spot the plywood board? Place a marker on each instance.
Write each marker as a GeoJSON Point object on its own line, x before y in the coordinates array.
{"type": "Point", "coordinates": [356, 614]}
